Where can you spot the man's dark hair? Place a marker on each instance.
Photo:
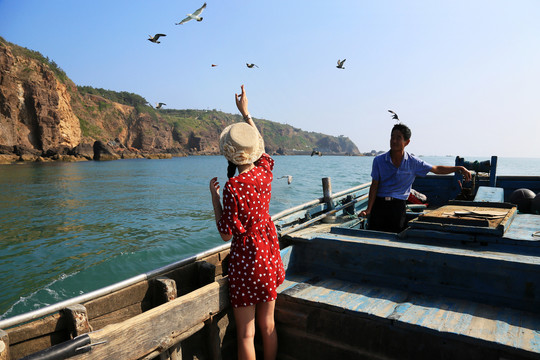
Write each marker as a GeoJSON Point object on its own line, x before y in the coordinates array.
{"type": "Point", "coordinates": [404, 129]}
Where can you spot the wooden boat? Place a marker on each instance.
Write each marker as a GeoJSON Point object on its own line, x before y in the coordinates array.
{"type": "Point", "coordinates": [461, 282]}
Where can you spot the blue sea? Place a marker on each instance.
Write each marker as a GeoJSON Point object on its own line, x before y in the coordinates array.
{"type": "Point", "coordinates": [70, 228]}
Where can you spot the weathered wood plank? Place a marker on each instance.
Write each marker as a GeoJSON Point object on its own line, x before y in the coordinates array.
{"type": "Point", "coordinates": [216, 330]}
{"type": "Point", "coordinates": [134, 294]}
{"type": "Point", "coordinates": [77, 320]}
{"type": "Point", "coordinates": [116, 316]}
{"type": "Point", "coordinates": [462, 320]}
{"type": "Point", "coordinates": [4, 345]}
{"type": "Point", "coordinates": [38, 328]}
{"type": "Point", "coordinates": [186, 278]}
{"type": "Point", "coordinates": [500, 279]}
{"type": "Point", "coordinates": [177, 339]}
{"type": "Point", "coordinates": [33, 345]}
{"type": "Point", "coordinates": [158, 325]}
{"type": "Point", "coordinates": [165, 290]}
{"type": "Point", "coordinates": [334, 332]}
{"type": "Point", "coordinates": [175, 352]}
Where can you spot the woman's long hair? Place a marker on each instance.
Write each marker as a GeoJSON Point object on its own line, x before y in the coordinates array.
{"type": "Point", "coordinates": [231, 169]}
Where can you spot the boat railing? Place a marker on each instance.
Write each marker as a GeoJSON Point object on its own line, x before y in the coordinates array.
{"type": "Point", "coordinates": [47, 310]}
{"type": "Point", "coordinates": [305, 224]}
{"type": "Point", "coordinates": [300, 216]}
{"type": "Point", "coordinates": [318, 201]}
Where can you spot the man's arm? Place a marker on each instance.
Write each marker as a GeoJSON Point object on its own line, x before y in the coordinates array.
{"type": "Point", "coordinates": [443, 170]}
{"type": "Point", "coordinates": [371, 200]}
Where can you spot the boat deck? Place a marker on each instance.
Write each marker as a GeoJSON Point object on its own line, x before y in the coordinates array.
{"type": "Point", "coordinates": [458, 320]}
{"type": "Point", "coordinates": [383, 295]}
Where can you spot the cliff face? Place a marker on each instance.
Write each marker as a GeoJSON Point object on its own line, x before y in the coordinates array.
{"type": "Point", "coordinates": [123, 126]}
{"type": "Point", "coordinates": [44, 116]}
{"type": "Point", "coordinates": [35, 108]}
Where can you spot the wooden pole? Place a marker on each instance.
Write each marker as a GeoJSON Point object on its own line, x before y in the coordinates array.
{"type": "Point", "coordinates": [327, 199]}
{"type": "Point", "coordinates": [166, 291]}
{"type": "Point", "coordinates": [493, 172]}
{"type": "Point", "coordinates": [327, 193]}
{"type": "Point", "coordinates": [77, 320]}
{"type": "Point", "coordinates": [4, 345]}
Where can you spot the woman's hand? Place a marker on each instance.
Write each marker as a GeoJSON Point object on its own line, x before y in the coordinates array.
{"type": "Point", "coordinates": [242, 103]}
{"type": "Point", "coordinates": [214, 188]}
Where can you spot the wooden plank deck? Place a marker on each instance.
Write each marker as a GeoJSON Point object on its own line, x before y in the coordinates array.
{"type": "Point", "coordinates": [406, 300]}
{"type": "Point", "coordinates": [500, 330]}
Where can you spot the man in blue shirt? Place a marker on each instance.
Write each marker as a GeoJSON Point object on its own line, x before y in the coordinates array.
{"type": "Point", "coordinates": [393, 174]}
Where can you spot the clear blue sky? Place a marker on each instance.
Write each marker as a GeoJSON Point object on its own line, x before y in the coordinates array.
{"type": "Point", "coordinates": [464, 75]}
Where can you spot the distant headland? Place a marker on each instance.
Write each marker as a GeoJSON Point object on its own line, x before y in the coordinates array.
{"type": "Point", "coordinates": [44, 116]}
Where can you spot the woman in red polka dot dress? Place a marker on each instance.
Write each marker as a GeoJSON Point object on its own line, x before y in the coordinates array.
{"type": "Point", "coordinates": [255, 267]}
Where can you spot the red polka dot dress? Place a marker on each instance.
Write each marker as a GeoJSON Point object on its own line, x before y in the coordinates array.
{"type": "Point", "coordinates": [255, 266]}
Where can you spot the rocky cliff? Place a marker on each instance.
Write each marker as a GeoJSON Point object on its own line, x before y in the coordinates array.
{"type": "Point", "coordinates": [44, 116]}
{"type": "Point", "coordinates": [35, 108]}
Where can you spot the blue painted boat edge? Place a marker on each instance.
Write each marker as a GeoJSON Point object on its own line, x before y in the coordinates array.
{"type": "Point", "coordinates": [446, 318]}
{"type": "Point", "coordinates": [501, 279]}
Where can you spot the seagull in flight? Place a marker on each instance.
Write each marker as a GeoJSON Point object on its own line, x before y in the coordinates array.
{"type": "Point", "coordinates": [340, 64]}
{"type": "Point", "coordinates": [194, 16]}
{"type": "Point", "coordinates": [155, 38]}
{"type": "Point", "coordinates": [288, 177]}
{"type": "Point", "coordinates": [315, 152]}
{"type": "Point", "coordinates": [251, 65]}
{"type": "Point", "coordinates": [394, 116]}
{"type": "Point", "coordinates": [159, 105]}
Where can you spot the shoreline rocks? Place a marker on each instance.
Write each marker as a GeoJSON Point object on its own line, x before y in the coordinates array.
{"type": "Point", "coordinates": [99, 151]}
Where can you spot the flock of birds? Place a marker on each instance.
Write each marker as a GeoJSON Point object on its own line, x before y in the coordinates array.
{"type": "Point", "coordinates": [196, 15]}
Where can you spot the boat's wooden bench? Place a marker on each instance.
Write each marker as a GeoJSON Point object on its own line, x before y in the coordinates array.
{"type": "Point", "coordinates": [410, 311]}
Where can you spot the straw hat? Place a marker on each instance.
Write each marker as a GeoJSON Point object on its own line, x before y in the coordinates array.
{"type": "Point", "coordinates": [241, 144]}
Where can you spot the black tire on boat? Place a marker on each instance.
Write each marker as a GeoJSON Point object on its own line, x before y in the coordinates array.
{"type": "Point", "coordinates": [535, 204]}
{"type": "Point", "coordinates": [523, 199]}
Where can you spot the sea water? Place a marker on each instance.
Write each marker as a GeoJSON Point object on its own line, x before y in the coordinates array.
{"type": "Point", "coordinates": [70, 228]}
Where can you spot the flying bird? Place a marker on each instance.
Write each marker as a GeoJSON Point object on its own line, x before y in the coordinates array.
{"type": "Point", "coordinates": [251, 65]}
{"type": "Point", "coordinates": [288, 177]}
{"type": "Point", "coordinates": [194, 16]}
{"type": "Point", "coordinates": [159, 105]}
{"type": "Point", "coordinates": [340, 64]}
{"type": "Point", "coordinates": [394, 116]}
{"type": "Point", "coordinates": [214, 65]}
{"type": "Point", "coordinates": [155, 38]}
{"type": "Point", "coordinates": [315, 152]}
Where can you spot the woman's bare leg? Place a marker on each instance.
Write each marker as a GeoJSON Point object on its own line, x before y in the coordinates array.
{"type": "Point", "coordinates": [245, 331]}
{"type": "Point", "coordinates": [265, 320]}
